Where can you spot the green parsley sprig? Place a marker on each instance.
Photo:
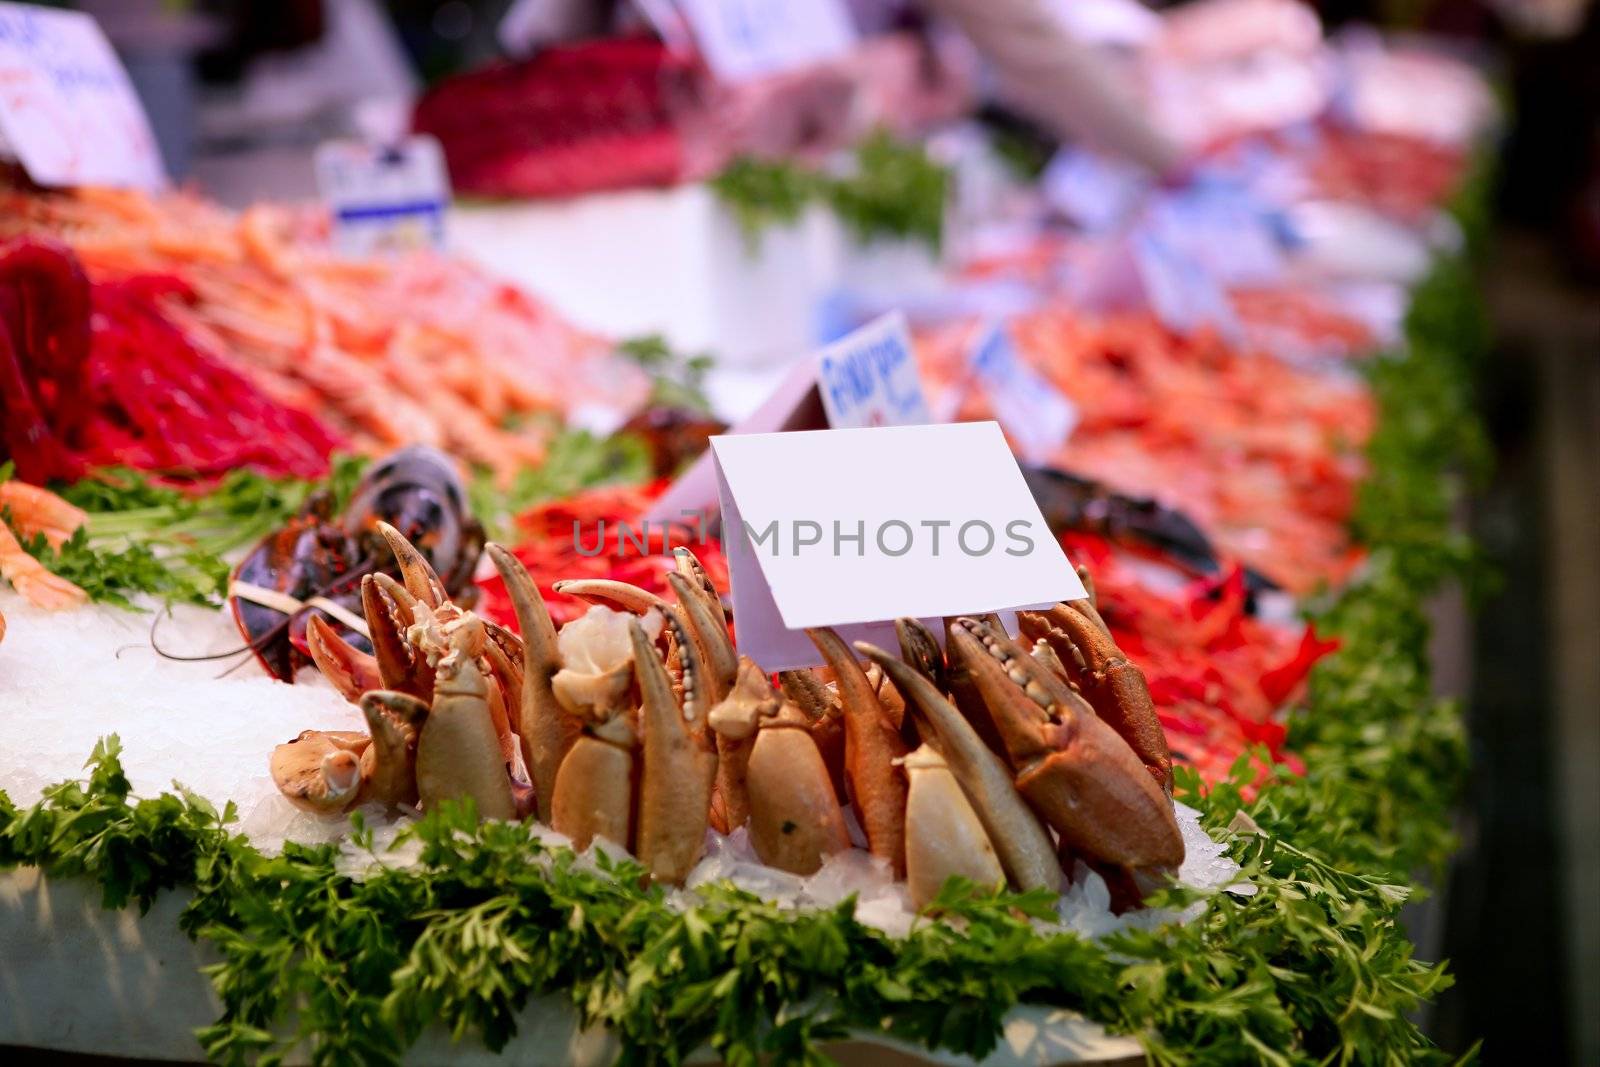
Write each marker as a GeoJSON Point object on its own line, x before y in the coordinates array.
{"type": "Point", "coordinates": [144, 538]}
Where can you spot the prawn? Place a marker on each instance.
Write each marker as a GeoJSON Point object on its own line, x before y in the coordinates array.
{"type": "Point", "coordinates": [29, 577]}
{"type": "Point", "coordinates": [32, 510]}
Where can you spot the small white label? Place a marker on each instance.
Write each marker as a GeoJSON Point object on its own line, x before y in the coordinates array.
{"type": "Point", "coordinates": [67, 108]}
{"type": "Point", "coordinates": [384, 199]}
{"type": "Point", "coordinates": [1035, 414]}
{"type": "Point", "coordinates": [1181, 292]}
{"type": "Point", "coordinates": [870, 378]}
{"type": "Point", "coordinates": [744, 39]}
{"type": "Point", "coordinates": [870, 528]}
{"type": "Point", "coordinates": [875, 382]}
{"type": "Point", "coordinates": [1096, 192]}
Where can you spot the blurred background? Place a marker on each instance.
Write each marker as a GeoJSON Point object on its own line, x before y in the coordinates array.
{"type": "Point", "coordinates": [241, 93]}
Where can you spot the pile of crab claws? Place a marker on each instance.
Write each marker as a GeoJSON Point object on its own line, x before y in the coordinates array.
{"type": "Point", "coordinates": [992, 760]}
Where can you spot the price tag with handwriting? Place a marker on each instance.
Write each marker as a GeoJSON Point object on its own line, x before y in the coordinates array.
{"type": "Point", "coordinates": [384, 198]}
{"type": "Point", "coordinates": [67, 109]}
{"type": "Point", "coordinates": [867, 378]}
{"type": "Point", "coordinates": [1035, 414]}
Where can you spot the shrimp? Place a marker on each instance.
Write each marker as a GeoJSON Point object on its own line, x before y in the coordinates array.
{"type": "Point", "coordinates": [29, 577]}
{"type": "Point", "coordinates": [32, 510]}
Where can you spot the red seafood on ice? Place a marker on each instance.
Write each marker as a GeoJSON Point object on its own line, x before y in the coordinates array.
{"type": "Point", "coordinates": [420, 349]}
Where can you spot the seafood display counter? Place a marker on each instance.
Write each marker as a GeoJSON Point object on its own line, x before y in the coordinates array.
{"type": "Point", "coordinates": [333, 729]}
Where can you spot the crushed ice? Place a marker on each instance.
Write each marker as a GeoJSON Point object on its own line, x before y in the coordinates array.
{"type": "Point", "coordinates": [68, 678]}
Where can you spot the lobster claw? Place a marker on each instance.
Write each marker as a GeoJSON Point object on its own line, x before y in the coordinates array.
{"type": "Point", "coordinates": [1078, 773]}
{"type": "Point", "coordinates": [1113, 685]}
{"type": "Point", "coordinates": [677, 769]}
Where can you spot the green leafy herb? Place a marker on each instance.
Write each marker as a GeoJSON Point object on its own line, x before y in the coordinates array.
{"type": "Point", "coordinates": [893, 189]}
{"type": "Point", "coordinates": [677, 379]}
{"type": "Point", "coordinates": [150, 539]}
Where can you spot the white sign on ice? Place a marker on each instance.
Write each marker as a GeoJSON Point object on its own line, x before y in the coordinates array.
{"type": "Point", "coordinates": [867, 378]}
{"type": "Point", "coordinates": [869, 525]}
{"type": "Point", "coordinates": [384, 198]}
{"type": "Point", "coordinates": [1035, 414]}
{"type": "Point", "coordinates": [67, 108]}
{"type": "Point", "coordinates": [743, 39]}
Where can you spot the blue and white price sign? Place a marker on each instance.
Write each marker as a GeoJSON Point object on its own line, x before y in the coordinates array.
{"type": "Point", "coordinates": [870, 378]}
{"type": "Point", "coordinates": [384, 199]}
{"type": "Point", "coordinates": [1182, 292]}
{"type": "Point", "coordinates": [744, 39]}
{"type": "Point", "coordinates": [67, 109]}
{"type": "Point", "coordinates": [1034, 413]}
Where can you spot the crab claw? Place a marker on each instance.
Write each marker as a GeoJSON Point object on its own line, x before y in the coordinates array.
{"type": "Point", "coordinates": [872, 744]}
{"type": "Point", "coordinates": [458, 754]}
{"type": "Point", "coordinates": [547, 731]}
{"type": "Point", "coordinates": [320, 771]}
{"type": "Point", "coordinates": [1024, 846]}
{"type": "Point", "coordinates": [610, 593]}
{"type": "Point", "coordinates": [795, 820]}
{"type": "Point", "coordinates": [820, 705]}
{"type": "Point", "coordinates": [1076, 771]}
{"type": "Point", "coordinates": [415, 570]}
{"type": "Point", "coordinates": [1114, 687]}
{"type": "Point", "coordinates": [735, 720]}
{"type": "Point", "coordinates": [944, 837]}
{"type": "Point", "coordinates": [389, 764]}
{"type": "Point", "coordinates": [710, 632]}
{"type": "Point", "coordinates": [351, 670]}
{"type": "Point", "coordinates": [920, 649]}
{"type": "Point", "coordinates": [677, 772]}
{"type": "Point", "coordinates": [391, 610]}
{"type": "Point", "coordinates": [596, 676]}
{"type": "Point", "coordinates": [594, 787]}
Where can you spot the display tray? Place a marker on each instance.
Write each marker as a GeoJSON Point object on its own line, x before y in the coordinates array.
{"type": "Point", "coordinates": [77, 978]}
